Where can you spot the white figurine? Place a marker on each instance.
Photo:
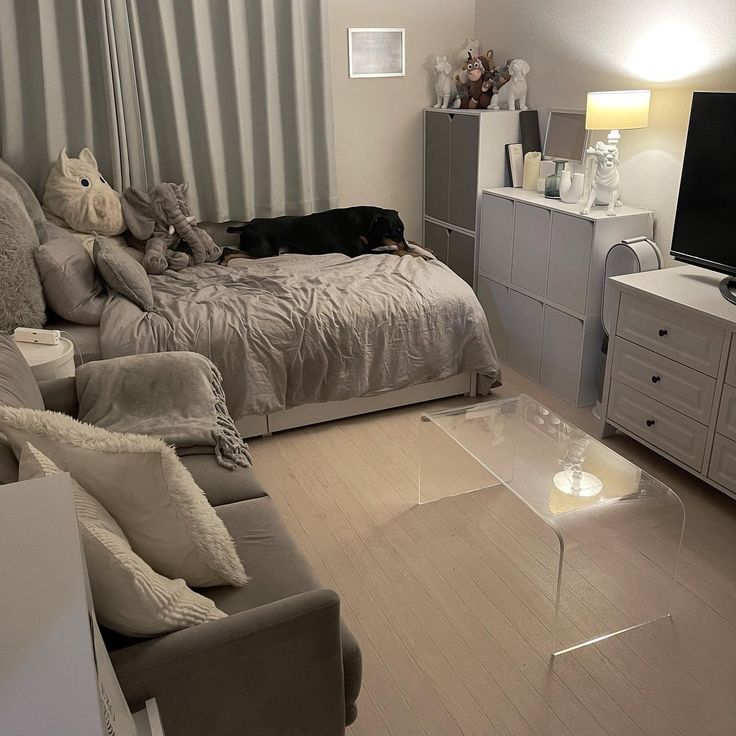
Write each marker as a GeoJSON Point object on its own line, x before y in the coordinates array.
{"type": "Point", "coordinates": [443, 83]}
{"type": "Point", "coordinates": [606, 187]}
{"type": "Point", "coordinates": [515, 89]}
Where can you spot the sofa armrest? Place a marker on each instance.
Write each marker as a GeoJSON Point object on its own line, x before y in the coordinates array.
{"type": "Point", "coordinates": [60, 394]}
{"type": "Point", "coordinates": [275, 669]}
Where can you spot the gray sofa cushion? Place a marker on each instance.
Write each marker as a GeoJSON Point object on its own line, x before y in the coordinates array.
{"type": "Point", "coordinates": [70, 283]}
{"type": "Point", "coordinates": [220, 485]}
{"type": "Point", "coordinates": [18, 388]}
{"type": "Point", "coordinates": [122, 273]}
{"type": "Point", "coordinates": [278, 570]}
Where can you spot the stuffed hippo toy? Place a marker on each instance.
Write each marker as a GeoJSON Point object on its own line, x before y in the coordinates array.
{"type": "Point", "coordinates": [77, 193]}
{"type": "Point", "coordinates": [162, 219]}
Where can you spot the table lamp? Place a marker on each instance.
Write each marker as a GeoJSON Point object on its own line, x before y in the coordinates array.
{"type": "Point", "coordinates": [612, 111]}
{"type": "Point", "coordinates": [616, 111]}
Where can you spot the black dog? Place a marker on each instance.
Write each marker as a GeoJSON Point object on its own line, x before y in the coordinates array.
{"type": "Point", "coordinates": [353, 231]}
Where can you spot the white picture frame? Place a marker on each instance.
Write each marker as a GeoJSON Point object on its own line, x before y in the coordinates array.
{"type": "Point", "coordinates": [376, 52]}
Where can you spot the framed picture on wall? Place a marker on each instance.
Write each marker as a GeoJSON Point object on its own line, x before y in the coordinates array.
{"type": "Point", "coordinates": [376, 52]}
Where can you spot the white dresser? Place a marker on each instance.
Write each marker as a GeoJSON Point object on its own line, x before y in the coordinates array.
{"type": "Point", "coordinates": [540, 281]}
{"type": "Point", "coordinates": [671, 371]}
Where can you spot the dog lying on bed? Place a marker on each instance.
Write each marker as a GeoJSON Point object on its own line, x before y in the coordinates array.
{"type": "Point", "coordinates": [353, 231]}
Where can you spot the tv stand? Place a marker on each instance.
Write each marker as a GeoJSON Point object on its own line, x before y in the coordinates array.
{"type": "Point", "coordinates": [671, 369]}
{"type": "Point", "coordinates": [728, 289]}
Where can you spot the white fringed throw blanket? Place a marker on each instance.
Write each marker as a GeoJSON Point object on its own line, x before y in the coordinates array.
{"type": "Point", "coordinates": [176, 396]}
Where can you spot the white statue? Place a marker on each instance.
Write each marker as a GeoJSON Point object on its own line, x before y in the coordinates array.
{"type": "Point", "coordinates": [443, 83]}
{"type": "Point", "coordinates": [606, 187]}
{"type": "Point", "coordinates": [515, 89]}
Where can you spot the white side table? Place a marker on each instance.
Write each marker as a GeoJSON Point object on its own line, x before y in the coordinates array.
{"type": "Point", "coordinates": [49, 361]}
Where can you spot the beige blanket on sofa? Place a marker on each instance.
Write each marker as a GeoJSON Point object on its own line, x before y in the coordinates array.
{"type": "Point", "coordinates": [299, 329]}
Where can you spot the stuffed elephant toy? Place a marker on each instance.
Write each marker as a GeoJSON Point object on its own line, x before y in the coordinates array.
{"type": "Point", "coordinates": [162, 219]}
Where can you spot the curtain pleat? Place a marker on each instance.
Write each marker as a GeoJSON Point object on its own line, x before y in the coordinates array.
{"type": "Point", "coordinates": [231, 96]}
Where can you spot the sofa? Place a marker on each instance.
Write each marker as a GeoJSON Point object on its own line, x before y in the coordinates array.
{"type": "Point", "coordinates": [282, 662]}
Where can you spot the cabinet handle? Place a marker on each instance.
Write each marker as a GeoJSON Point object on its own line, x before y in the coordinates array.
{"type": "Point", "coordinates": [650, 422]}
{"type": "Point", "coordinates": [662, 333]}
{"type": "Point", "coordinates": [656, 379]}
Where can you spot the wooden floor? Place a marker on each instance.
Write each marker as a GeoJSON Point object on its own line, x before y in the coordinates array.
{"type": "Point", "coordinates": [452, 602]}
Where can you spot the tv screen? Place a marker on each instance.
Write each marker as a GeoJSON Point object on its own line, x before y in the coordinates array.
{"type": "Point", "coordinates": [704, 231]}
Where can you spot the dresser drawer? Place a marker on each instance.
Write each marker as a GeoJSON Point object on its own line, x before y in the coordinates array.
{"type": "Point", "coordinates": [671, 383]}
{"type": "Point", "coordinates": [731, 368]}
{"type": "Point", "coordinates": [723, 462]}
{"type": "Point", "coordinates": [668, 430]}
{"type": "Point", "coordinates": [727, 413]}
{"type": "Point", "coordinates": [671, 332]}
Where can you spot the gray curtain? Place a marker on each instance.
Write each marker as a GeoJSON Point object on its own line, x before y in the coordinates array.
{"type": "Point", "coordinates": [232, 96]}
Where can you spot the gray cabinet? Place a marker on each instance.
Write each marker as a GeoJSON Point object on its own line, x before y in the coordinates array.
{"type": "Point", "coordinates": [540, 264]}
{"type": "Point", "coordinates": [464, 152]}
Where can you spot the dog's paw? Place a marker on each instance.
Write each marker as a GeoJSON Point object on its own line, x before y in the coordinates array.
{"type": "Point", "coordinates": [385, 249]}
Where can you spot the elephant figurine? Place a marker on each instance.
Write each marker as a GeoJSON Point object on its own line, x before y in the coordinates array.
{"type": "Point", "coordinates": [162, 219]}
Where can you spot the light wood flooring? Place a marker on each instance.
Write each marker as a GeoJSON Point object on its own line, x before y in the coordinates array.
{"type": "Point", "coordinates": [452, 602]}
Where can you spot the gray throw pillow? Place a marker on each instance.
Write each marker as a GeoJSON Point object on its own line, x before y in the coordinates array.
{"type": "Point", "coordinates": [70, 283]}
{"type": "Point", "coordinates": [21, 295]}
{"type": "Point", "coordinates": [18, 388]}
{"type": "Point", "coordinates": [31, 203]}
{"type": "Point", "coordinates": [123, 274]}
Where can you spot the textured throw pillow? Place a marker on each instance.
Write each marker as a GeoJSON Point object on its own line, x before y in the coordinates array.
{"type": "Point", "coordinates": [70, 283]}
{"type": "Point", "coordinates": [18, 388]}
{"type": "Point", "coordinates": [129, 596]}
{"type": "Point", "coordinates": [145, 488]}
{"type": "Point", "coordinates": [123, 274]}
{"type": "Point", "coordinates": [21, 294]}
{"type": "Point", "coordinates": [31, 203]}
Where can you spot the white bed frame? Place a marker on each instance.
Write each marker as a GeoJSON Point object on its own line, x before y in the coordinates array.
{"type": "Point", "coordinates": [302, 416]}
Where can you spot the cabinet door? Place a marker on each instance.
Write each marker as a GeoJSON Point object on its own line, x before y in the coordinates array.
{"type": "Point", "coordinates": [461, 255]}
{"type": "Point", "coordinates": [571, 247]}
{"type": "Point", "coordinates": [436, 164]}
{"type": "Point", "coordinates": [531, 248]}
{"type": "Point", "coordinates": [463, 171]}
{"type": "Point", "coordinates": [496, 239]}
{"type": "Point", "coordinates": [494, 298]}
{"type": "Point", "coordinates": [436, 239]}
{"type": "Point", "coordinates": [524, 342]}
{"type": "Point", "coordinates": [562, 346]}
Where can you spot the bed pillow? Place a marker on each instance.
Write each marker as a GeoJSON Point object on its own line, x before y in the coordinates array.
{"type": "Point", "coordinates": [70, 283]}
{"type": "Point", "coordinates": [129, 596]}
{"type": "Point", "coordinates": [30, 201]}
{"type": "Point", "coordinates": [145, 488]}
{"type": "Point", "coordinates": [18, 388]}
{"type": "Point", "coordinates": [123, 274]}
{"type": "Point", "coordinates": [21, 295]}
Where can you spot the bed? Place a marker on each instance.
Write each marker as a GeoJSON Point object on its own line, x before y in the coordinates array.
{"type": "Point", "coordinates": [301, 339]}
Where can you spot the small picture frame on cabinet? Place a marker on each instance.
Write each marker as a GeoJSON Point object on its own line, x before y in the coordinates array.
{"type": "Point", "coordinates": [515, 163]}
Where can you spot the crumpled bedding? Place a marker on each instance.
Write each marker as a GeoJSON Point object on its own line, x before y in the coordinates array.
{"type": "Point", "coordinates": [298, 329]}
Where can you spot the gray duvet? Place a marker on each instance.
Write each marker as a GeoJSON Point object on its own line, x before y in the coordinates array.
{"type": "Point", "coordinates": [300, 329]}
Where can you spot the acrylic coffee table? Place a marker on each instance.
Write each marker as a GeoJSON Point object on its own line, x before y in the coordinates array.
{"type": "Point", "coordinates": [614, 522]}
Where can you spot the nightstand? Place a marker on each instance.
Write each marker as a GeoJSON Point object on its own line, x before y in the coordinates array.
{"type": "Point", "coordinates": [49, 361]}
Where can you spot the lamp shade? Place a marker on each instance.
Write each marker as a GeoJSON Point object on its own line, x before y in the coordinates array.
{"type": "Point", "coordinates": [617, 110]}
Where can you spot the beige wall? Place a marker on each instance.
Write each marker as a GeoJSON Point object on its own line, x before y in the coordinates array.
{"type": "Point", "coordinates": [378, 122]}
{"type": "Point", "coordinates": [578, 46]}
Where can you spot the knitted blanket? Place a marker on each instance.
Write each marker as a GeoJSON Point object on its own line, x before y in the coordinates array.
{"type": "Point", "coordinates": [176, 396]}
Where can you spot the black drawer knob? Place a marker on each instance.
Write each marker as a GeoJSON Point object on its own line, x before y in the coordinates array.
{"type": "Point", "coordinates": [650, 422]}
{"type": "Point", "coordinates": [656, 379]}
{"type": "Point", "coordinates": [662, 333]}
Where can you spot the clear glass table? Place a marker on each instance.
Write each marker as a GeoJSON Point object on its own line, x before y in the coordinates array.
{"type": "Point", "coordinates": [618, 528]}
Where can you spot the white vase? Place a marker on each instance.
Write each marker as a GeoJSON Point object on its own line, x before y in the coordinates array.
{"type": "Point", "coordinates": [571, 186]}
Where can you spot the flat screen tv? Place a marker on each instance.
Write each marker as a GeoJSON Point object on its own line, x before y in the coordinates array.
{"type": "Point", "coordinates": [705, 226]}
